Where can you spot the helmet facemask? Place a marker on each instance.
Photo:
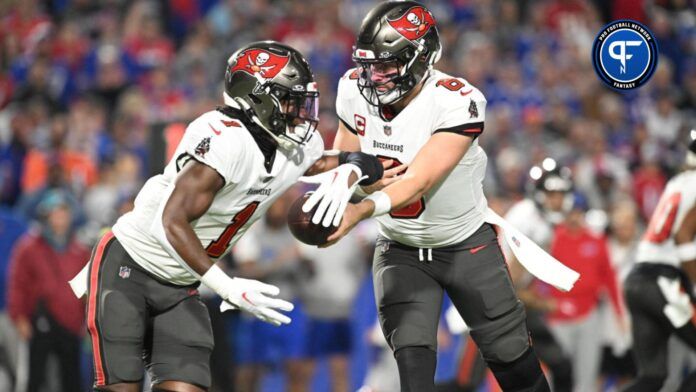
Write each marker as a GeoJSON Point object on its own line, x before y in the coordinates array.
{"type": "Point", "coordinates": [295, 114]}
{"type": "Point", "coordinates": [396, 74]}
{"type": "Point", "coordinates": [299, 112]}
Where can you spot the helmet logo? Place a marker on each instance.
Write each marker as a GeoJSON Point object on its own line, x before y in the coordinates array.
{"type": "Point", "coordinates": [259, 63]}
{"type": "Point", "coordinates": [414, 23]}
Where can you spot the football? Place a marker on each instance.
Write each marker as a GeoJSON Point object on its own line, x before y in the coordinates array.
{"type": "Point", "coordinates": [301, 225]}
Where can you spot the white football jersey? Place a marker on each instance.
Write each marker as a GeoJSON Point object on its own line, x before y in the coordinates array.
{"type": "Point", "coordinates": [530, 220]}
{"type": "Point", "coordinates": [225, 145]}
{"type": "Point", "coordinates": [452, 210]}
{"type": "Point", "coordinates": [657, 244]}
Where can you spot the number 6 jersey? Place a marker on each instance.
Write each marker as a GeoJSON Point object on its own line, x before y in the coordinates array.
{"type": "Point", "coordinates": [225, 145]}
{"type": "Point", "coordinates": [657, 244]}
{"type": "Point", "coordinates": [453, 209]}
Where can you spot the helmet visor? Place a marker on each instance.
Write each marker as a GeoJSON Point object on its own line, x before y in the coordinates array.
{"type": "Point", "coordinates": [301, 113]}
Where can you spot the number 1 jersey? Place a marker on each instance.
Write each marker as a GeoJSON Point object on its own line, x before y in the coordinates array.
{"type": "Point", "coordinates": [224, 144]}
{"type": "Point", "coordinates": [453, 209]}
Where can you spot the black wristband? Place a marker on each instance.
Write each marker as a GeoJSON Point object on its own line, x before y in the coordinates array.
{"type": "Point", "coordinates": [343, 157]}
{"type": "Point", "coordinates": [368, 164]}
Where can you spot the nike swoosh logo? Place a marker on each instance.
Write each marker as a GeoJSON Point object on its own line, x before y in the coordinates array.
{"type": "Point", "coordinates": [476, 249]}
{"type": "Point", "coordinates": [244, 295]}
{"type": "Point", "coordinates": [215, 131]}
{"type": "Point", "coordinates": [465, 93]}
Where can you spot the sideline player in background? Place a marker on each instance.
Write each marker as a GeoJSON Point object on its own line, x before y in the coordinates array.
{"type": "Point", "coordinates": [550, 199]}
{"type": "Point", "coordinates": [433, 237]}
{"type": "Point", "coordinates": [659, 290]}
{"type": "Point", "coordinates": [230, 166]}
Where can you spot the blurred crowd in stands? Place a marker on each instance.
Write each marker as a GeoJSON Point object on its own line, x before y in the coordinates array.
{"type": "Point", "coordinates": [86, 87]}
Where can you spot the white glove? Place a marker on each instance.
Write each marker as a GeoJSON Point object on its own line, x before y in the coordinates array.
{"type": "Point", "coordinates": [334, 193]}
{"type": "Point", "coordinates": [248, 295]}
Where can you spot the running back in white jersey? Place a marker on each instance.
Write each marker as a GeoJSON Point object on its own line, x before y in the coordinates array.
{"type": "Point", "coordinates": [657, 244]}
{"type": "Point", "coordinates": [452, 210]}
{"type": "Point", "coordinates": [224, 144]}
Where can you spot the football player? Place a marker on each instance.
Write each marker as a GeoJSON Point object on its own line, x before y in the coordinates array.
{"type": "Point", "coordinates": [659, 289]}
{"type": "Point", "coordinates": [433, 237]}
{"type": "Point", "coordinates": [229, 167]}
{"type": "Point", "coordinates": [550, 199]}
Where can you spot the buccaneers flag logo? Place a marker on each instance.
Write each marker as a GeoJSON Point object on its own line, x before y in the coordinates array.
{"type": "Point", "coordinates": [261, 62]}
{"type": "Point", "coordinates": [414, 23]}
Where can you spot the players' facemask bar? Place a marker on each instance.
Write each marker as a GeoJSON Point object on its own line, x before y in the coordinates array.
{"type": "Point", "coordinates": [300, 112]}
{"type": "Point", "coordinates": [295, 116]}
{"type": "Point", "coordinates": [371, 83]}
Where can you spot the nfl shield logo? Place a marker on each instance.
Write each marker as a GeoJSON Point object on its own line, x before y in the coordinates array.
{"type": "Point", "coordinates": [124, 272]}
{"type": "Point", "coordinates": [387, 130]}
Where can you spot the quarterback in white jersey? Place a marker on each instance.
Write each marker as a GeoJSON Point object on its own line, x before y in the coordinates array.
{"type": "Point", "coordinates": [659, 289]}
{"type": "Point", "coordinates": [231, 164]}
{"type": "Point", "coordinates": [452, 211]}
{"type": "Point", "coordinates": [433, 237]}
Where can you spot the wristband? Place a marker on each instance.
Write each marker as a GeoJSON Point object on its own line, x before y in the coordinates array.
{"type": "Point", "coordinates": [343, 157]}
{"type": "Point", "coordinates": [687, 251]}
{"type": "Point", "coordinates": [382, 203]}
{"type": "Point", "coordinates": [369, 165]}
{"type": "Point", "coordinates": [217, 280]}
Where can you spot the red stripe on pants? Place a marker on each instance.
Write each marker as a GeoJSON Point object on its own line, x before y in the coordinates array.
{"type": "Point", "coordinates": [92, 308]}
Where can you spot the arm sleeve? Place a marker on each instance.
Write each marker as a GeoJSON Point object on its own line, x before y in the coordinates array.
{"type": "Point", "coordinates": [463, 115]}
{"type": "Point", "coordinates": [21, 299]}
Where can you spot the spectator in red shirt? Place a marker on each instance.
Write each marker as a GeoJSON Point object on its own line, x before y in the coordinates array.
{"type": "Point", "coordinates": [41, 305]}
{"type": "Point", "coordinates": [575, 320]}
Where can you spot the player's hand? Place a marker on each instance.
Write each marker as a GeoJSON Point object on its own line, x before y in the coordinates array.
{"type": "Point", "coordinates": [390, 176]}
{"type": "Point", "coordinates": [353, 214]}
{"type": "Point", "coordinates": [333, 193]}
{"type": "Point", "coordinates": [255, 297]}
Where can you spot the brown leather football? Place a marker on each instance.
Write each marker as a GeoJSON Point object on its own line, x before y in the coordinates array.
{"type": "Point", "coordinates": [301, 226]}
